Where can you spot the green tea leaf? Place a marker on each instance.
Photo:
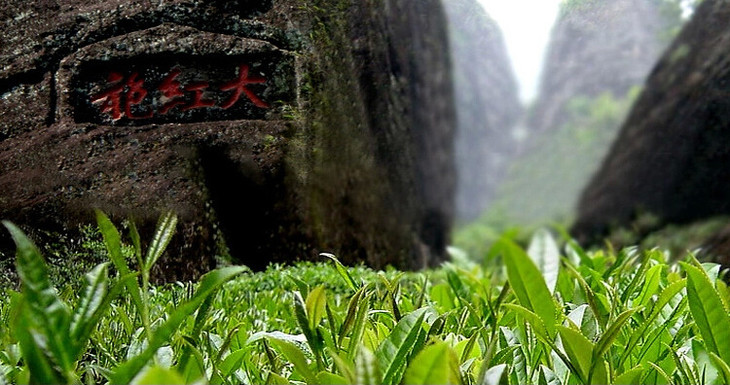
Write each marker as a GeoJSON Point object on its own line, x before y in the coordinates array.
{"type": "Point", "coordinates": [113, 243]}
{"type": "Point", "coordinates": [163, 235]}
{"type": "Point", "coordinates": [156, 375]}
{"type": "Point", "coordinates": [350, 317]}
{"type": "Point", "coordinates": [545, 253]}
{"type": "Point", "coordinates": [651, 284]}
{"type": "Point", "coordinates": [275, 379]}
{"type": "Point", "coordinates": [194, 367]}
{"type": "Point", "coordinates": [359, 327]}
{"type": "Point", "coordinates": [342, 271]}
{"type": "Point", "coordinates": [96, 289]}
{"type": "Point", "coordinates": [232, 362]}
{"type": "Point", "coordinates": [578, 349]}
{"type": "Point", "coordinates": [136, 243]}
{"type": "Point", "coordinates": [667, 294]}
{"type": "Point", "coordinates": [344, 366]}
{"type": "Point", "coordinates": [536, 322]}
{"type": "Point", "coordinates": [209, 283]}
{"type": "Point", "coordinates": [45, 329]}
{"type": "Point", "coordinates": [39, 362]}
{"type": "Point", "coordinates": [435, 364]}
{"type": "Point", "coordinates": [296, 356]}
{"type": "Point", "coordinates": [722, 366]}
{"type": "Point", "coordinates": [366, 367]}
{"type": "Point", "coordinates": [708, 312]}
{"type": "Point", "coordinates": [607, 338]}
{"type": "Point", "coordinates": [629, 377]}
{"type": "Point", "coordinates": [327, 378]}
{"type": "Point", "coordinates": [665, 377]}
{"type": "Point", "coordinates": [528, 284]}
{"type": "Point", "coordinates": [315, 304]}
{"type": "Point", "coordinates": [496, 375]}
{"type": "Point", "coordinates": [313, 338]}
{"type": "Point", "coordinates": [443, 296]}
{"type": "Point", "coordinates": [392, 352]}
{"type": "Point", "coordinates": [87, 317]}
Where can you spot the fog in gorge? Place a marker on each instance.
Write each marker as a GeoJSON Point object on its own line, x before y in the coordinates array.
{"type": "Point", "coordinates": [524, 162]}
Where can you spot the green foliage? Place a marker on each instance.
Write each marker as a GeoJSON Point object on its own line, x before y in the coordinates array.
{"type": "Point", "coordinates": [557, 315]}
{"type": "Point", "coordinates": [544, 184]}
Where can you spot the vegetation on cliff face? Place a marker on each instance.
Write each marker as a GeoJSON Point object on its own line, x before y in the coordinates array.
{"type": "Point", "coordinates": [548, 179]}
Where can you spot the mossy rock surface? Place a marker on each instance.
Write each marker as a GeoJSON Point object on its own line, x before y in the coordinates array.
{"type": "Point", "coordinates": [275, 129]}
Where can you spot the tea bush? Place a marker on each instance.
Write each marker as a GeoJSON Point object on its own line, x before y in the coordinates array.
{"type": "Point", "coordinates": [548, 315]}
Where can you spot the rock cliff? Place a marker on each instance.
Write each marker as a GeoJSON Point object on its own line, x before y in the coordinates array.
{"type": "Point", "coordinates": [279, 128]}
{"type": "Point", "coordinates": [670, 159]}
{"type": "Point", "coordinates": [487, 105]}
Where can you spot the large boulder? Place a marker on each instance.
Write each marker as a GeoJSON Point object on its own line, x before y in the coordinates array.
{"type": "Point", "coordinates": [487, 105]}
{"type": "Point", "coordinates": [275, 129]}
{"type": "Point", "coordinates": [671, 158]}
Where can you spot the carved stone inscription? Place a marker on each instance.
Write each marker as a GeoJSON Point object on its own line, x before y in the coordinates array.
{"type": "Point", "coordinates": [166, 89]}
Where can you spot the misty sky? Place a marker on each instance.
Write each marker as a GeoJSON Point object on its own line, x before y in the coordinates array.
{"type": "Point", "coordinates": [526, 27]}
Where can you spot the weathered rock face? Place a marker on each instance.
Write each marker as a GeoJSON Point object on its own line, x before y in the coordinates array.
{"type": "Point", "coordinates": [598, 47]}
{"type": "Point", "coordinates": [487, 105]}
{"type": "Point", "coordinates": [671, 156]}
{"type": "Point", "coordinates": [289, 128]}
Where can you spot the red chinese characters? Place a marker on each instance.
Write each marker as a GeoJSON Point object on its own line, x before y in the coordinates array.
{"type": "Point", "coordinates": [172, 91]}
{"type": "Point", "coordinates": [129, 98]}
{"type": "Point", "coordinates": [111, 99]}
{"type": "Point", "coordinates": [239, 86]}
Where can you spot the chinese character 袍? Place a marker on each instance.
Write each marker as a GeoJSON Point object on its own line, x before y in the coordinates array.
{"type": "Point", "coordinates": [111, 99]}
